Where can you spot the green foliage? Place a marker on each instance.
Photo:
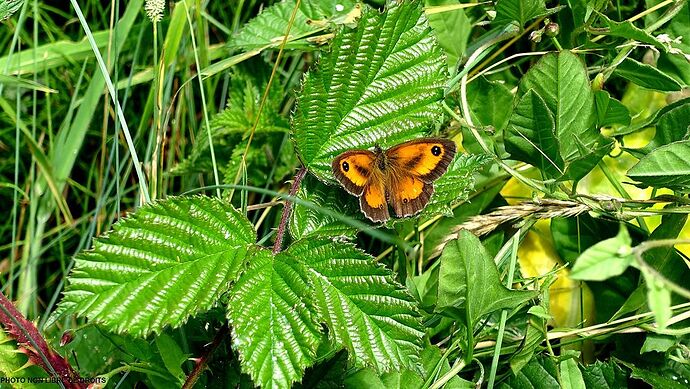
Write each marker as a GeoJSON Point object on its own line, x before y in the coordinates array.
{"type": "Point", "coordinates": [275, 334]}
{"type": "Point", "coordinates": [374, 318]}
{"type": "Point", "coordinates": [519, 11]}
{"type": "Point", "coordinates": [646, 76]}
{"type": "Point", "coordinates": [469, 286]}
{"type": "Point", "coordinates": [379, 84]}
{"type": "Point", "coordinates": [605, 259]}
{"type": "Point", "coordinates": [268, 28]}
{"type": "Point", "coordinates": [561, 81]}
{"type": "Point", "coordinates": [169, 260]}
{"type": "Point", "coordinates": [667, 166]}
{"type": "Point", "coordinates": [559, 108]}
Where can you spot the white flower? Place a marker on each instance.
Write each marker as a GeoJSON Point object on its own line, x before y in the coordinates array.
{"type": "Point", "coordinates": [154, 9]}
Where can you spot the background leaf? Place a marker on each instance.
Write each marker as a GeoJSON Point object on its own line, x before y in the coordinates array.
{"type": "Point", "coordinates": [604, 375]}
{"type": "Point", "coordinates": [452, 30]}
{"type": "Point", "coordinates": [163, 263]}
{"type": "Point", "coordinates": [530, 136]}
{"type": "Point", "coordinates": [627, 30]}
{"type": "Point", "coordinates": [668, 166]}
{"type": "Point", "coordinates": [469, 284]}
{"type": "Point", "coordinates": [646, 76]}
{"type": "Point", "coordinates": [609, 110]}
{"type": "Point", "coordinates": [274, 332]}
{"type": "Point", "coordinates": [268, 28]}
{"type": "Point", "coordinates": [672, 126]}
{"type": "Point", "coordinates": [605, 259]}
{"type": "Point", "coordinates": [538, 373]}
{"type": "Point", "coordinates": [488, 101]}
{"type": "Point", "coordinates": [380, 84]}
{"type": "Point", "coordinates": [519, 11]}
{"type": "Point", "coordinates": [561, 80]}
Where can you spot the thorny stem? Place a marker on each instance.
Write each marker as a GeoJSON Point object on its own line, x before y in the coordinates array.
{"type": "Point", "coordinates": [286, 210]}
{"type": "Point", "coordinates": [201, 364]}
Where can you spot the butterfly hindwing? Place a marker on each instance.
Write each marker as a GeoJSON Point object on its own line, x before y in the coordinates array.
{"type": "Point", "coordinates": [373, 200]}
{"type": "Point", "coordinates": [426, 158]}
{"type": "Point", "coordinates": [409, 195]}
{"type": "Point", "coordinates": [352, 169]}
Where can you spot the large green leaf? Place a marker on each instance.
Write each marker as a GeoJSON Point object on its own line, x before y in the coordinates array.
{"type": "Point", "coordinates": [274, 332]}
{"type": "Point", "coordinates": [269, 27]}
{"type": "Point", "coordinates": [165, 262]}
{"type": "Point", "coordinates": [469, 284]}
{"type": "Point", "coordinates": [668, 166]}
{"type": "Point", "coordinates": [530, 136]}
{"type": "Point", "coordinates": [381, 83]}
{"type": "Point", "coordinates": [374, 318]}
{"type": "Point", "coordinates": [561, 80]}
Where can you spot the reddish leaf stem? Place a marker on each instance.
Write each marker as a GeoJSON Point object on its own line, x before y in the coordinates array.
{"type": "Point", "coordinates": [31, 342]}
{"type": "Point", "coordinates": [286, 210]}
{"type": "Point", "coordinates": [202, 362]}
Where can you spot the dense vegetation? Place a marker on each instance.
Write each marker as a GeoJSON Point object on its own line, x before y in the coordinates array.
{"type": "Point", "coordinates": [172, 218]}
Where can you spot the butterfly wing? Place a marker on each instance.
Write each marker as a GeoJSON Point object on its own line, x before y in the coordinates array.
{"type": "Point", "coordinates": [413, 166]}
{"type": "Point", "coordinates": [373, 200]}
{"type": "Point", "coordinates": [356, 171]}
{"type": "Point", "coordinates": [353, 168]}
{"type": "Point", "coordinates": [426, 158]}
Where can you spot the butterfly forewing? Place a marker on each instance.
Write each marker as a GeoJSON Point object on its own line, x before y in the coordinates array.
{"type": "Point", "coordinates": [353, 168]}
{"type": "Point", "coordinates": [427, 158]}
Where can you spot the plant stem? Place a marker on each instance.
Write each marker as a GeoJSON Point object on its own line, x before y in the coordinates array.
{"type": "Point", "coordinates": [201, 364]}
{"type": "Point", "coordinates": [515, 242]}
{"type": "Point", "coordinates": [286, 210]}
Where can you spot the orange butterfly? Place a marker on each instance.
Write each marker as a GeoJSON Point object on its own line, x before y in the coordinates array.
{"type": "Point", "coordinates": [401, 176]}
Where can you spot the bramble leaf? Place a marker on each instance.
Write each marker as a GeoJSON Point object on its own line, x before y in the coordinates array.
{"type": "Point", "coordinates": [381, 83]}
{"type": "Point", "coordinates": [305, 221]}
{"type": "Point", "coordinates": [369, 314]}
{"type": "Point", "coordinates": [273, 330]}
{"type": "Point", "coordinates": [166, 261]}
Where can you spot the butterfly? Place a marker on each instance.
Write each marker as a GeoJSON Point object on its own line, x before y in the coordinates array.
{"type": "Point", "coordinates": [401, 176]}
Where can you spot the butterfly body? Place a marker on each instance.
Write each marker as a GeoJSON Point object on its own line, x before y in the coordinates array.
{"type": "Point", "coordinates": [401, 176]}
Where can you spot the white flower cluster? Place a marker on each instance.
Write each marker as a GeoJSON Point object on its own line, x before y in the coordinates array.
{"type": "Point", "coordinates": [154, 9]}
